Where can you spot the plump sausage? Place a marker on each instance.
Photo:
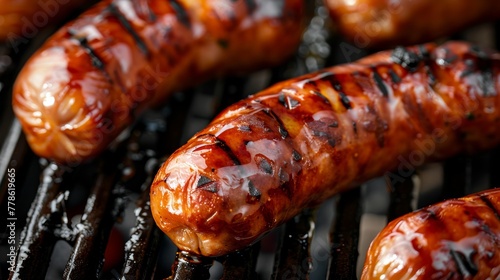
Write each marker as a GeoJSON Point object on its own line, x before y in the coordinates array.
{"type": "Point", "coordinates": [301, 141]}
{"type": "Point", "coordinates": [95, 75]}
{"type": "Point", "coordinates": [386, 23]}
{"type": "Point", "coordinates": [21, 20]}
{"type": "Point", "coordinates": [455, 239]}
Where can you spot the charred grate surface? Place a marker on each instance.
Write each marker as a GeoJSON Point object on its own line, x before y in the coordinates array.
{"type": "Point", "coordinates": [83, 206]}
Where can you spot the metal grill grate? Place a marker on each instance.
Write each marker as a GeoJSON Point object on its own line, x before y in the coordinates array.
{"type": "Point", "coordinates": [82, 206]}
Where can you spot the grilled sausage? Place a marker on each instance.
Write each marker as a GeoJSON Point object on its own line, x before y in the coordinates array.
{"type": "Point", "coordinates": [95, 75]}
{"type": "Point", "coordinates": [301, 141]}
{"type": "Point", "coordinates": [22, 19]}
{"type": "Point", "coordinates": [454, 239]}
{"type": "Point", "coordinates": [386, 23]}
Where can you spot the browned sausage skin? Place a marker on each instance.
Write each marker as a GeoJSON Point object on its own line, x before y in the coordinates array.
{"type": "Point", "coordinates": [301, 141]}
{"type": "Point", "coordinates": [455, 239]}
{"type": "Point", "coordinates": [23, 19]}
{"type": "Point", "coordinates": [92, 78]}
{"type": "Point", "coordinates": [386, 23]}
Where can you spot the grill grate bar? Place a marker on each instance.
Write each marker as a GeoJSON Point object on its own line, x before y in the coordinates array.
{"type": "Point", "coordinates": [344, 236]}
{"type": "Point", "coordinates": [142, 247]}
{"type": "Point", "coordinates": [37, 238]}
{"type": "Point", "coordinates": [494, 169]}
{"type": "Point", "coordinates": [293, 259]}
{"type": "Point", "coordinates": [401, 196]}
{"type": "Point", "coordinates": [241, 265]}
{"type": "Point", "coordinates": [95, 226]}
{"type": "Point", "coordinates": [187, 266]}
{"type": "Point", "coordinates": [456, 181]}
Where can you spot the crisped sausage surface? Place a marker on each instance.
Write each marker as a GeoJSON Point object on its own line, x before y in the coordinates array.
{"type": "Point", "coordinates": [388, 23]}
{"type": "Point", "coordinates": [23, 19]}
{"type": "Point", "coordinates": [92, 78]}
{"type": "Point", "coordinates": [455, 239]}
{"type": "Point", "coordinates": [301, 141]}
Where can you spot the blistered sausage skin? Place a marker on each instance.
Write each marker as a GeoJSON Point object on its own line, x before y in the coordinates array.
{"type": "Point", "coordinates": [265, 158]}
{"type": "Point", "coordinates": [22, 19]}
{"type": "Point", "coordinates": [387, 23]}
{"type": "Point", "coordinates": [454, 239]}
{"type": "Point", "coordinates": [95, 75]}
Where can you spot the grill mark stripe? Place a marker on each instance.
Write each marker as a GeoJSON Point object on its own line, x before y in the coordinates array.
{"type": "Point", "coordinates": [465, 266]}
{"type": "Point", "coordinates": [449, 57]}
{"type": "Point", "coordinates": [207, 184]}
{"type": "Point", "coordinates": [287, 101]}
{"type": "Point", "coordinates": [251, 5]}
{"type": "Point", "coordinates": [181, 13]}
{"type": "Point", "coordinates": [343, 97]}
{"type": "Point", "coordinates": [490, 205]}
{"type": "Point", "coordinates": [485, 67]}
{"type": "Point", "coordinates": [394, 77]}
{"type": "Point", "coordinates": [432, 215]}
{"type": "Point", "coordinates": [469, 68]}
{"type": "Point", "coordinates": [380, 83]}
{"type": "Point", "coordinates": [252, 190]}
{"type": "Point", "coordinates": [128, 27]}
{"type": "Point", "coordinates": [423, 52]}
{"type": "Point", "coordinates": [203, 180]}
{"type": "Point", "coordinates": [318, 93]}
{"type": "Point", "coordinates": [283, 132]}
{"type": "Point", "coordinates": [96, 60]}
{"type": "Point", "coordinates": [296, 156]}
{"type": "Point", "coordinates": [221, 144]}
{"type": "Point", "coordinates": [406, 58]}
{"type": "Point", "coordinates": [266, 166]}
{"type": "Point", "coordinates": [431, 78]}
{"type": "Point", "coordinates": [151, 15]}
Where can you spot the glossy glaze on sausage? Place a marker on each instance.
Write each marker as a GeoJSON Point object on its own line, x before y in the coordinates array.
{"type": "Point", "coordinates": [94, 76]}
{"type": "Point", "coordinates": [388, 23]}
{"type": "Point", "coordinates": [265, 158]}
{"type": "Point", "coordinates": [21, 20]}
{"type": "Point", "coordinates": [454, 239]}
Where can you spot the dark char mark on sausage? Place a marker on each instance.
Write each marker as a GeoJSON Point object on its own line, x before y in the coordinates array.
{"type": "Point", "coordinates": [394, 77]}
{"type": "Point", "coordinates": [265, 166]}
{"type": "Point", "coordinates": [465, 264]}
{"type": "Point", "coordinates": [251, 5]}
{"type": "Point", "coordinates": [480, 62]}
{"type": "Point", "coordinates": [113, 10]}
{"type": "Point", "coordinates": [344, 99]}
{"type": "Point", "coordinates": [223, 146]}
{"type": "Point", "coordinates": [252, 190]}
{"type": "Point", "coordinates": [283, 132]}
{"type": "Point", "coordinates": [207, 184]}
{"type": "Point", "coordinates": [318, 93]}
{"type": "Point", "coordinates": [96, 60]}
{"type": "Point", "coordinates": [407, 59]}
{"type": "Point", "coordinates": [483, 64]}
{"type": "Point", "coordinates": [181, 12]}
{"type": "Point", "coordinates": [287, 101]}
{"type": "Point", "coordinates": [380, 83]}
{"type": "Point", "coordinates": [490, 205]}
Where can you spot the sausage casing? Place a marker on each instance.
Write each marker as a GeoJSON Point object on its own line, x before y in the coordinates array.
{"type": "Point", "coordinates": [265, 158]}
{"type": "Point", "coordinates": [23, 19]}
{"type": "Point", "coordinates": [388, 23]}
{"type": "Point", "coordinates": [95, 75]}
{"type": "Point", "coordinates": [454, 239]}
